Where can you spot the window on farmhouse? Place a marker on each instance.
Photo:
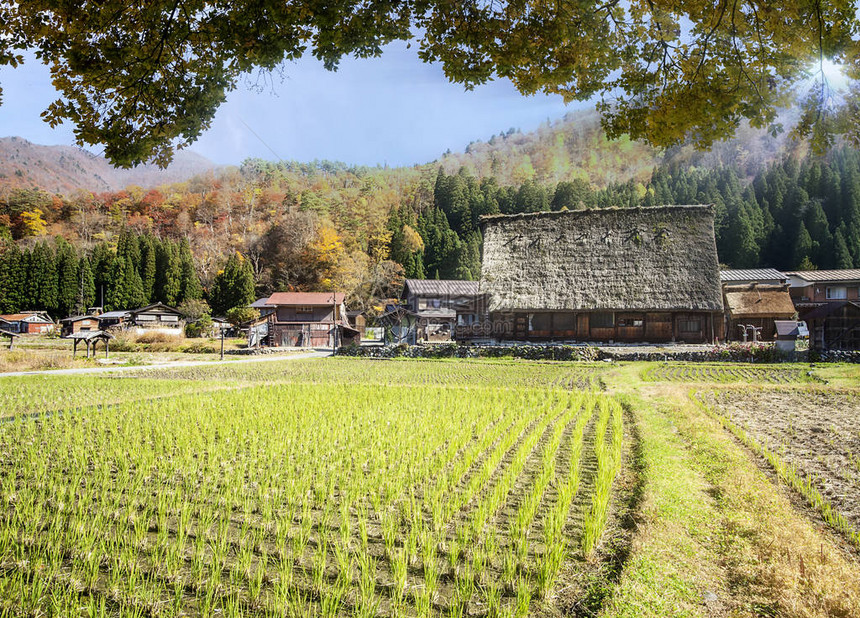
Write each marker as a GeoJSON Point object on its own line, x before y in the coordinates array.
{"type": "Point", "coordinates": [602, 320]}
{"type": "Point", "coordinates": [837, 293]}
{"type": "Point", "coordinates": [690, 326]}
{"type": "Point", "coordinates": [304, 309]}
{"type": "Point", "coordinates": [542, 321]}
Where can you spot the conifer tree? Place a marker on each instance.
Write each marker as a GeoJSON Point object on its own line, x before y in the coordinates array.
{"type": "Point", "coordinates": [101, 265]}
{"type": "Point", "coordinates": [168, 273]}
{"type": "Point", "coordinates": [42, 278]}
{"type": "Point", "coordinates": [67, 278]}
{"type": "Point", "coordinates": [189, 283]}
{"type": "Point", "coordinates": [842, 255]}
{"type": "Point", "coordinates": [12, 277]}
{"type": "Point", "coordinates": [86, 286]}
{"type": "Point", "coordinates": [233, 286]}
{"type": "Point", "coordinates": [115, 296]}
{"type": "Point", "coordinates": [133, 286]}
{"type": "Point", "coordinates": [147, 266]}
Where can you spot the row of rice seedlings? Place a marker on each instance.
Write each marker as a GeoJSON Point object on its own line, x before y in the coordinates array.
{"type": "Point", "coordinates": [724, 374]}
{"type": "Point", "coordinates": [804, 483]}
{"type": "Point", "coordinates": [42, 394]}
{"type": "Point", "coordinates": [608, 460]}
{"type": "Point", "coordinates": [468, 373]}
{"type": "Point", "coordinates": [522, 521]}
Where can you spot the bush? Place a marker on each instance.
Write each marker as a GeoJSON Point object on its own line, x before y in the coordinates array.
{"type": "Point", "coordinates": [156, 337]}
{"type": "Point", "coordinates": [200, 328]}
{"type": "Point", "coordinates": [123, 343]}
{"type": "Point", "coordinates": [199, 347]}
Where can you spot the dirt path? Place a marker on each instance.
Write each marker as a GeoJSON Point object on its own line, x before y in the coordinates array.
{"type": "Point", "coordinates": [321, 353]}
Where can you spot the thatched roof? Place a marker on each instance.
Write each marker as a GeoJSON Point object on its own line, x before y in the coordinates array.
{"type": "Point", "coordinates": [644, 259]}
{"type": "Point", "coordinates": [758, 301]}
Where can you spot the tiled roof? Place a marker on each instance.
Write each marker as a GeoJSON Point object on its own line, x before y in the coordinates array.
{"type": "Point", "coordinates": [753, 274]}
{"type": "Point", "coordinates": [17, 317]}
{"type": "Point", "coordinates": [112, 315]}
{"type": "Point", "coordinates": [441, 287]}
{"type": "Point", "coordinates": [850, 274]}
{"type": "Point", "coordinates": [313, 299]}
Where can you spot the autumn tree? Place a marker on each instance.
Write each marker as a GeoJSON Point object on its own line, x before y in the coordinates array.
{"type": "Point", "coordinates": [143, 78]}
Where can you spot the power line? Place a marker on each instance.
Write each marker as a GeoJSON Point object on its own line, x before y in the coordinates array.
{"type": "Point", "coordinates": [262, 141]}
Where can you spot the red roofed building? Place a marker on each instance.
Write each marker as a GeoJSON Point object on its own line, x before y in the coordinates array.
{"type": "Point", "coordinates": [308, 320]}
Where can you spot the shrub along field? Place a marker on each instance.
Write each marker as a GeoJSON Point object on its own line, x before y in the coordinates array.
{"type": "Point", "coordinates": [416, 495]}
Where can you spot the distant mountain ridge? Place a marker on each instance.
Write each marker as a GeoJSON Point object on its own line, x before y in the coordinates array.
{"type": "Point", "coordinates": [65, 169]}
{"type": "Point", "coordinates": [572, 148]}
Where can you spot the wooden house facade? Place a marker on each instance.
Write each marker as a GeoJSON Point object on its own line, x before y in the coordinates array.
{"type": "Point", "coordinates": [829, 302]}
{"type": "Point", "coordinates": [610, 275]}
{"type": "Point", "coordinates": [79, 324]}
{"type": "Point", "coordinates": [308, 320]}
{"type": "Point", "coordinates": [28, 323]}
{"type": "Point", "coordinates": [441, 306]}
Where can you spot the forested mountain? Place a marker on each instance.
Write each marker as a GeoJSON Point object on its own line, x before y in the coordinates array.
{"type": "Point", "coordinates": [324, 225]}
{"type": "Point", "coordinates": [66, 169]}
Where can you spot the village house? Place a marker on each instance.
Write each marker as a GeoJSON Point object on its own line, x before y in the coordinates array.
{"type": "Point", "coordinates": [829, 302]}
{"type": "Point", "coordinates": [28, 323]}
{"type": "Point", "coordinates": [441, 306]}
{"type": "Point", "coordinates": [79, 324]}
{"type": "Point", "coordinates": [812, 287]}
{"type": "Point", "coordinates": [304, 320]}
{"type": "Point", "coordinates": [752, 310]}
{"type": "Point", "coordinates": [612, 275]}
{"type": "Point", "coordinates": [157, 317]}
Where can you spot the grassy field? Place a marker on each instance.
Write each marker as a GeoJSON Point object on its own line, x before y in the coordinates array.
{"type": "Point", "coordinates": [358, 487]}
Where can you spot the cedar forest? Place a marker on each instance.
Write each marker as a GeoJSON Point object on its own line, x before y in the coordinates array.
{"type": "Point", "coordinates": [245, 232]}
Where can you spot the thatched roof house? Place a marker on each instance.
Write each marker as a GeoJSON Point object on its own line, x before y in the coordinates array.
{"type": "Point", "coordinates": [758, 306]}
{"type": "Point", "coordinates": [643, 274]}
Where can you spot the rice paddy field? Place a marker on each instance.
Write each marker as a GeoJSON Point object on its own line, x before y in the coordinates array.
{"type": "Point", "coordinates": [361, 487]}
{"type": "Point", "coordinates": [302, 488]}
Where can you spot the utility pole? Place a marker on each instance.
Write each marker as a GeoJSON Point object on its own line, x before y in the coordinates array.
{"type": "Point", "coordinates": [221, 327]}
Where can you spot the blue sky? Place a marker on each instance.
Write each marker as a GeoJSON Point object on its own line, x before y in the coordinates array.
{"type": "Point", "coordinates": [394, 109]}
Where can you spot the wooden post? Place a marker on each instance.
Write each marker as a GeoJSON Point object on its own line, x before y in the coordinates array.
{"type": "Point", "coordinates": [221, 326]}
{"type": "Point", "coordinates": [107, 347]}
{"type": "Point", "coordinates": [74, 348]}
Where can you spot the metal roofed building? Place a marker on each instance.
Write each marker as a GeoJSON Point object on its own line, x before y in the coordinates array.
{"type": "Point", "coordinates": [769, 276]}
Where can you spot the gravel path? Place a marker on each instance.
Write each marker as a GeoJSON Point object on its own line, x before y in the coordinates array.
{"type": "Point", "coordinates": [317, 353]}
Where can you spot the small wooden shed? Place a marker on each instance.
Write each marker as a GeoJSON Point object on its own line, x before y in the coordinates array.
{"type": "Point", "coordinates": [757, 306]}
{"type": "Point", "coordinates": [90, 340]}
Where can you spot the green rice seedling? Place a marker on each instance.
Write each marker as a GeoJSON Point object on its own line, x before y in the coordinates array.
{"type": "Point", "coordinates": [608, 458]}
{"type": "Point", "coordinates": [423, 603]}
{"type": "Point", "coordinates": [331, 600]}
{"type": "Point", "coordinates": [431, 578]}
{"type": "Point", "coordinates": [319, 566]}
{"type": "Point", "coordinates": [398, 573]}
{"type": "Point", "coordinates": [524, 597]}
